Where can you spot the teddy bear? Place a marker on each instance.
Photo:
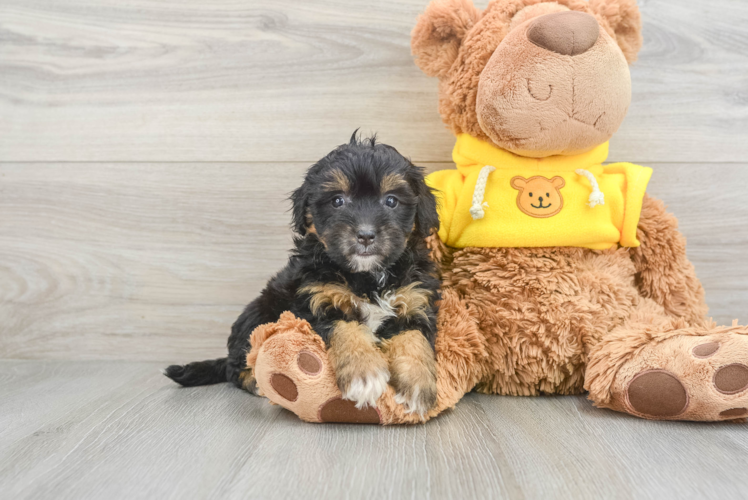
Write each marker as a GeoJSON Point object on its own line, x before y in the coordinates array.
{"type": "Point", "coordinates": [560, 275]}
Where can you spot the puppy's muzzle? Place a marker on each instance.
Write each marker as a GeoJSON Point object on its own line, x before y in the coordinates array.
{"type": "Point", "coordinates": [366, 237]}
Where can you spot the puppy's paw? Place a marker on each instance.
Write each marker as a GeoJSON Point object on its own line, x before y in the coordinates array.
{"type": "Point", "coordinates": [360, 369]}
{"type": "Point", "coordinates": [365, 390]}
{"type": "Point", "coordinates": [415, 389]}
{"type": "Point", "coordinates": [413, 369]}
{"type": "Point", "coordinates": [248, 382]}
{"type": "Point", "coordinates": [416, 399]}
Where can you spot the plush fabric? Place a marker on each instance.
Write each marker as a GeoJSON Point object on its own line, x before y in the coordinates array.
{"type": "Point", "coordinates": [462, 59]}
{"type": "Point", "coordinates": [539, 299]}
{"type": "Point", "coordinates": [536, 102]}
{"type": "Point", "coordinates": [507, 224]}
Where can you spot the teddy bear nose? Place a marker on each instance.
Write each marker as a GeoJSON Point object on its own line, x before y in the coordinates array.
{"type": "Point", "coordinates": [569, 33]}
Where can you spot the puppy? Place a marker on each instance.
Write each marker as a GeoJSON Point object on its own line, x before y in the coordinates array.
{"type": "Point", "coordinates": [360, 273]}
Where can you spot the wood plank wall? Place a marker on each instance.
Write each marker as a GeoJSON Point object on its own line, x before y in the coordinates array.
{"type": "Point", "coordinates": [147, 148]}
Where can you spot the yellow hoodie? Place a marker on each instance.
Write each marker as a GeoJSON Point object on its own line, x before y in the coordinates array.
{"type": "Point", "coordinates": [498, 199]}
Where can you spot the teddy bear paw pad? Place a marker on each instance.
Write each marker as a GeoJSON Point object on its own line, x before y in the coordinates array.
{"type": "Point", "coordinates": [309, 363]}
{"type": "Point", "coordinates": [705, 350]}
{"type": "Point", "coordinates": [284, 386]}
{"type": "Point", "coordinates": [657, 393]}
{"type": "Point", "coordinates": [691, 378]}
{"type": "Point", "coordinates": [339, 410]}
{"type": "Point", "coordinates": [292, 370]}
{"type": "Point", "coordinates": [731, 379]}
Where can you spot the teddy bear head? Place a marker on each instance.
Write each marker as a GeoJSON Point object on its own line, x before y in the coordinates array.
{"type": "Point", "coordinates": [534, 77]}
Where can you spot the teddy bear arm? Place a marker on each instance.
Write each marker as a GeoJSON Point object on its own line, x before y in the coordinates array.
{"type": "Point", "coordinates": [663, 271]}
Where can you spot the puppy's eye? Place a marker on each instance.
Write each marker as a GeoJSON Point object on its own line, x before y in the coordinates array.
{"type": "Point", "coordinates": [391, 201]}
{"type": "Point", "coordinates": [338, 202]}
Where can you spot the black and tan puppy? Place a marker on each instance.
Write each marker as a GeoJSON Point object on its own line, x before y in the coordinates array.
{"type": "Point", "coordinates": [360, 273]}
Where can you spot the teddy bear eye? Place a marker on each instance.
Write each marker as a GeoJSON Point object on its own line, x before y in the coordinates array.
{"type": "Point", "coordinates": [547, 195]}
{"type": "Point", "coordinates": [530, 194]}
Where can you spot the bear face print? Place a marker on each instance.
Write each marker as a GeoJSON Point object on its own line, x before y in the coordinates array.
{"type": "Point", "coordinates": [538, 196]}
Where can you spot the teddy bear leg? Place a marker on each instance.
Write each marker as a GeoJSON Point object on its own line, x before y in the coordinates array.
{"type": "Point", "coordinates": [293, 370]}
{"type": "Point", "coordinates": [660, 368]}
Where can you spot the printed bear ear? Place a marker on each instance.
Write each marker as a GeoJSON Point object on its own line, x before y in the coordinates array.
{"type": "Point", "coordinates": [438, 34]}
{"type": "Point", "coordinates": [558, 182]}
{"type": "Point", "coordinates": [518, 183]}
{"type": "Point", "coordinates": [625, 21]}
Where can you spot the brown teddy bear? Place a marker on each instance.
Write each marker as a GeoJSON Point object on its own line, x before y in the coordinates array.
{"type": "Point", "coordinates": [560, 275]}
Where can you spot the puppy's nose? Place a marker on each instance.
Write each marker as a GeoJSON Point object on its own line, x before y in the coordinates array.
{"type": "Point", "coordinates": [569, 33]}
{"type": "Point", "coordinates": [366, 237]}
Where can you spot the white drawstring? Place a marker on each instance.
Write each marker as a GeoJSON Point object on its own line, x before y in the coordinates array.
{"type": "Point", "coordinates": [476, 210]}
{"type": "Point", "coordinates": [596, 196]}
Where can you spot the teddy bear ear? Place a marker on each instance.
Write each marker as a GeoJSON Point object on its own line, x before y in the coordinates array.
{"type": "Point", "coordinates": [438, 33]}
{"type": "Point", "coordinates": [624, 20]}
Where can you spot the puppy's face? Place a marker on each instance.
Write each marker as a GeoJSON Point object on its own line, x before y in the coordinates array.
{"type": "Point", "coordinates": [363, 201]}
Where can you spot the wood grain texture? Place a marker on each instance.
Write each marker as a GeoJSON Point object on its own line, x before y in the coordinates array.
{"type": "Point", "coordinates": [563, 447]}
{"type": "Point", "coordinates": [136, 261]}
{"type": "Point", "coordinates": [155, 261]}
{"type": "Point", "coordinates": [79, 430]}
{"type": "Point", "coordinates": [154, 80]}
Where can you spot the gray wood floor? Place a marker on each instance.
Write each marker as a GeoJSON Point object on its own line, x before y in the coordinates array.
{"type": "Point", "coordinates": [146, 151]}
{"type": "Point", "coordinates": [115, 430]}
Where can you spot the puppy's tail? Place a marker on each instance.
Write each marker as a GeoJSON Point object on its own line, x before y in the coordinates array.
{"type": "Point", "coordinates": [212, 371]}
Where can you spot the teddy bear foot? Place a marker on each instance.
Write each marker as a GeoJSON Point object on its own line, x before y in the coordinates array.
{"type": "Point", "coordinates": [292, 370]}
{"type": "Point", "coordinates": [687, 377]}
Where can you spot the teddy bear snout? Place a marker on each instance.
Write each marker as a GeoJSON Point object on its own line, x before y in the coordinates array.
{"type": "Point", "coordinates": [569, 33]}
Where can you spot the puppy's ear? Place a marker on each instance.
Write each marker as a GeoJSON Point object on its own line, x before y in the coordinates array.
{"type": "Point", "coordinates": [427, 218]}
{"type": "Point", "coordinates": [438, 34]}
{"type": "Point", "coordinates": [625, 21]}
{"type": "Point", "coordinates": [299, 208]}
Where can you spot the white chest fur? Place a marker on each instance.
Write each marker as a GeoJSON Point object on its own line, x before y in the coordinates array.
{"type": "Point", "coordinates": [376, 312]}
{"type": "Point", "coordinates": [406, 301]}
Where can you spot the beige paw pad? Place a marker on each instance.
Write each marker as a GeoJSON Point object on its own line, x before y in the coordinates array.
{"type": "Point", "coordinates": [689, 377]}
{"type": "Point", "coordinates": [292, 369]}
